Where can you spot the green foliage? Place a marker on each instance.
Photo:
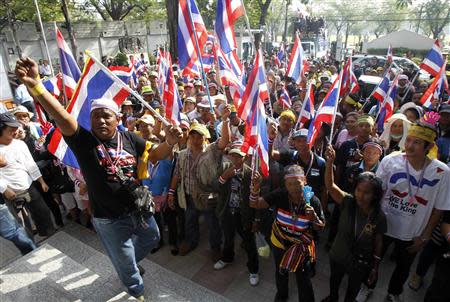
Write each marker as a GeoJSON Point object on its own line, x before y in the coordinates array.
{"type": "Point", "coordinates": [24, 10]}
{"type": "Point", "coordinates": [121, 59]}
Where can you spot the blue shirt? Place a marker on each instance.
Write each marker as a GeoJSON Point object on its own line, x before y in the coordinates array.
{"type": "Point", "coordinates": [160, 175]}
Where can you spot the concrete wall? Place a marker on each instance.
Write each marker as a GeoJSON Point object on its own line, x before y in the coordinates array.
{"type": "Point", "coordinates": [102, 38]}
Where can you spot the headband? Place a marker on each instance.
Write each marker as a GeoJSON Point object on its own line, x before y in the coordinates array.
{"type": "Point", "coordinates": [366, 119]}
{"type": "Point", "coordinates": [294, 175]}
{"type": "Point", "coordinates": [104, 103]}
{"type": "Point", "coordinates": [423, 133]}
{"type": "Point", "coordinates": [372, 144]}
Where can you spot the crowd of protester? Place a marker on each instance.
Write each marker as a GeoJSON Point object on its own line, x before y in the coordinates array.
{"type": "Point", "coordinates": [372, 189]}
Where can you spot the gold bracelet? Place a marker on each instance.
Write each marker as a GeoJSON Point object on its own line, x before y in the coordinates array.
{"type": "Point", "coordinates": [37, 90]}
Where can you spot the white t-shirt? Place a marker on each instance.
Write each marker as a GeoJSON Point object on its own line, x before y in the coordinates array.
{"type": "Point", "coordinates": [406, 221]}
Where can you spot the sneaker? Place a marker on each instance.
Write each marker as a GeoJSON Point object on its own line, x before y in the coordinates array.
{"type": "Point", "coordinates": [254, 279]}
{"type": "Point", "coordinates": [363, 294]}
{"type": "Point", "coordinates": [220, 265]}
{"type": "Point", "coordinates": [415, 282]}
{"type": "Point", "coordinates": [393, 298]}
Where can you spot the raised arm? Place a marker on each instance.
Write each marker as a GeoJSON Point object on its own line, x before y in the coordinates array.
{"type": "Point", "coordinates": [224, 139]}
{"type": "Point", "coordinates": [271, 134]}
{"type": "Point", "coordinates": [28, 74]}
{"type": "Point", "coordinates": [335, 192]}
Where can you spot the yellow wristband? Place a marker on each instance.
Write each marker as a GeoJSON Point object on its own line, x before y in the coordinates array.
{"type": "Point", "coordinates": [37, 90]}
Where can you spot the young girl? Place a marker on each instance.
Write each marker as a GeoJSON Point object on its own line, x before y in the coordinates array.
{"type": "Point", "coordinates": [357, 249]}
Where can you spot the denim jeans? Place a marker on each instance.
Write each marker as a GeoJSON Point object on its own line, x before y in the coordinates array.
{"type": "Point", "coordinates": [10, 229]}
{"type": "Point", "coordinates": [192, 229]}
{"type": "Point", "coordinates": [127, 242]}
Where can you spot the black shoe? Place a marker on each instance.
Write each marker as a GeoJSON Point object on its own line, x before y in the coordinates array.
{"type": "Point", "coordinates": [141, 270]}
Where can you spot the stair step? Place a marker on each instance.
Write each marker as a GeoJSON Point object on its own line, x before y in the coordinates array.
{"type": "Point", "coordinates": [47, 274]}
{"type": "Point", "coordinates": [161, 284]}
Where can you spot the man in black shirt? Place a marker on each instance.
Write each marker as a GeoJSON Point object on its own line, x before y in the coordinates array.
{"type": "Point", "coordinates": [103, 154]}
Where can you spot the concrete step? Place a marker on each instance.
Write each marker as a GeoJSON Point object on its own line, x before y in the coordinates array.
{"type": "Point", "coordinates": [47, 274]}
{"type": "Point", "coordinates": [161, 284]}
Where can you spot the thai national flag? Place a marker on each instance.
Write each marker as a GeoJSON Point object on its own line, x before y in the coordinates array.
{"type": "Point", "coordinates": [252, 112]}
{"type": "Point", "coordinates": [228, 11]}
{"type": "Point", "coordinates": [229, 78]}
{"type": "Point", "coordinates": [326, 111]}
{"type": "Point", "coordinates": [94, 84]}
{"type": "Point", "coordinates": [208, 61]}
{"type": "Point", "coordinates": [284, 98]}
{"type": "Point", "coordinates": [163, 70]}
{"type": "Point", "coordinates": [171, 97]}
{"type": "Point", "coordinates": [296, 65]}
{"type": "Point", "coordinates": [387, 107]}
{"type": "Point", "coordinates": [382, 89]}
{"type": "Point", "coordinates": [434, 60]}
{"type": "Point", "coordinates": [349, 81]}
{"type": "Point", "coordinates": [188, 55]}
{"type": "Point", "coordinates": [390, 54]}
{"type": "Point", "coordinates": [307, 112]}
{"type": "Point", "coordinates": [436, 89]}
{"type": "Point", "coordinates": [54, 85]}
{"type": "Point", "coordinates": [70, 71]}
{"type": "Point", "coordinates": [280, 56]}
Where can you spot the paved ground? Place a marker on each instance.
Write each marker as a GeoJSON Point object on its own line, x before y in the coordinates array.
{"type": "Point", "coordinates": [232, 281]}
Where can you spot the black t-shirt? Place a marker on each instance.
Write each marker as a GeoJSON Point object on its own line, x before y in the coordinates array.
{"type": "Point", "coordinates": [345, 156]}
{"type": "Point", "coordinates": [315, 176]}
{"type": "Point", "coordinates": [280, 200]}
{"type": "Point", "coordinates": [346, 246]}
{"type": "Point", "coordinates": [108, 197]}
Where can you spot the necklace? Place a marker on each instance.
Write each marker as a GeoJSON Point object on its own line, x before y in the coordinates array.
{"type": "Point", "coordinates": [419, 183]}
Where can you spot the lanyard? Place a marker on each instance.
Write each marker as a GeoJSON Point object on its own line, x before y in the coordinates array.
{"type": "Point", "coordinates": [309, 165]}
{"type": "Point", "coordinates": [111, 163]}
{"type": "Point", "coordinates": [410, 195]}
{"type": "Point", "coordinates": [358, 237]}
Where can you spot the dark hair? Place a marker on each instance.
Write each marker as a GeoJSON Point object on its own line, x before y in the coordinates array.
{"type": "Point", "coordinates": [377, 187]}
{"type": "Point", "coordinates": [2, 127]}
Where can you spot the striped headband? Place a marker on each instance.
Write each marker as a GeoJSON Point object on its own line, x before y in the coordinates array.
{"type": "Point", "coordinates": [294, 175]}
{"type": "Point", "coordinates": [373, 144]}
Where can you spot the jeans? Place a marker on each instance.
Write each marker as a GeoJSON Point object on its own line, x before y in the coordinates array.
{"type": "Point", "coordinates": [232, 223]}
{"type": "Point", "coordinates": [428, 255]}
{"type": "Point", "coordinates": [192, 231]}
{"type": "Point", "coordinates": [303, 276]}
{"type": "Point", "coordinates": [403, 261]}
{"type": "Point", "coordinates": [355, 279]}
{"type": "Point", "coordinates": [127, 242]}
{"type": "Point", "coordinates": [11, 230]}
{"type": "Point", "coordinates": [439, 288]}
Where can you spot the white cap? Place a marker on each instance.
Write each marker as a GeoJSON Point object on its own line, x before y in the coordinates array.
{"type": "Point", "coordinates": [106, 104]}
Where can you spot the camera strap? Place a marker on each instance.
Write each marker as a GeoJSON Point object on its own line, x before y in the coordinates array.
{"type": "Point", "coordinates": [114, 165]}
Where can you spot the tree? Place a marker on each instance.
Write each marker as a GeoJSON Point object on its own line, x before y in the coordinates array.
{"type": "Point", "coordinates": [437, 16]}
{"type": "Point", "coordinates": [172, 24]}
{"type": "Point", "coordinates": [397, 12]}
{"type": "Point", "coordinates": [118, 10]}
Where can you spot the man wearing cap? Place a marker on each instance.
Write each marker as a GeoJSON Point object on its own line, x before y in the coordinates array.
{"type": "Point", "coordinates": [207, 118]}
{"type": "Point", "coordinates": [18, 173]}
{"type": "Point", "coordinates": [312, 164]}
{"type": "Point", "coordinates": [237, 126]}
{"type": "Point", "coordinates": [188, 90]}
{"type": "Point", "coordinates": [213, 89]}
{"type": "Point", "coordinates": [147, 93]}
{"type": "Point", "coordinates": [402, 97]}
{"type": "Point", "coordinates": [417, 190]}
{"type": "Point", "coordinates": [106, 156]}
{"type": "Point", "coordinates": [235, 215]}
{"type": "Point", "coordinates": [24, 116]}
{"type": "Point", "coordinates": [196, 168]}
{"type": "Point", "coordinates": [189, 105]}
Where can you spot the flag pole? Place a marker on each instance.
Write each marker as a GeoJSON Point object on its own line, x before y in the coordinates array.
{"type": "Point", "coordinates": [335, 107]}
{"type": "Point", "coordinates": [303, 106]}
{"type": "Point", "coordinates": [66, 99]}
{"type": "Point", "coordinates": [249, 30]}
{"type": "Point", "coordinates": [373, 91]}
{"type": "Point", "coordinates": [409, 86]}
{"type": "Point", "coordinates": [197, 46]}
{"type": "Point", "coordinates": [118, 81]}
{"type": "Point", "coordinates": [43, 37]}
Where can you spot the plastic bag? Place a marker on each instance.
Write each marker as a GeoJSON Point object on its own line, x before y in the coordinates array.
{"type": "Point", "coordinates": [262, 246]}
